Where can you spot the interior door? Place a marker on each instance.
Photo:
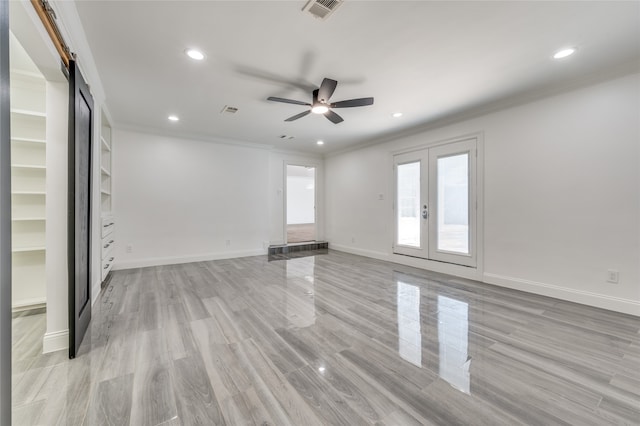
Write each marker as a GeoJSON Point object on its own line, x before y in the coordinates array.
{"type": "Point", "coordinates": [79, 241]}
{"type": "Point", "coordinates": [435, 206]}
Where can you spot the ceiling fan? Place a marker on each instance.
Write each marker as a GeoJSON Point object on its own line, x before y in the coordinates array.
{"type": "Point", "coordinates": [321, 104]}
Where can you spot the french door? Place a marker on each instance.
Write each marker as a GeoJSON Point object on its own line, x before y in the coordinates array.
{"type": "Point", "coordinates": [435, 206]}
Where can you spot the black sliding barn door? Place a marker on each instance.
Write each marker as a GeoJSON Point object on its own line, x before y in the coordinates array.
{"type": "Point", "coordinates": [79, 210]}
{"type": "Point", "coordinates": [5, 221]}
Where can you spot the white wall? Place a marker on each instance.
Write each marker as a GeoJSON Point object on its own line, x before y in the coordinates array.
{"type": "Point", "coordinates": [562, 195]}
{"type": "Point", "coordinates": [57, 336]}
{"type": "Point", "coordinates": [179, 200]}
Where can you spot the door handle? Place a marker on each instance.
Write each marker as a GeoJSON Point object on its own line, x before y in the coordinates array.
{"type": "Point", "coordinates": [425, 212]}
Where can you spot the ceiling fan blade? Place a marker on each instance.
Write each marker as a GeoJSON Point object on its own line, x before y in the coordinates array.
{"type": "Point", "coordinates": [287, 101]}
{"type": "Point", "coordinates": [295, 117]}
{"type": "Point", "coordinates": [333, 117]}
{"type": "Point", "coordinates": [353, 103]}
{"type": "Point", "coordinates": [315, 96]}
{"type": "Point", "coordinates": [327, 88]}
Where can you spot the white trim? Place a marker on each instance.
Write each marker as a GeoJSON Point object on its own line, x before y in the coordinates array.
{"type": "Point", "coordinates": [524, 98]}
{"type": "Point", "coordinates": [159, 261]}
{"type": "Point", "coordinates": [416, 262]}
{"type": "Point", "coordinates": [26, 304]}
{"type": "Point", "coordinates": [627, 306]}
{"type": "Point", "coordinates": [55, 341]}
{"type": "Point", "coordinates": [95, 290]}
{"type": "Point", "coordinates": [616, 304]}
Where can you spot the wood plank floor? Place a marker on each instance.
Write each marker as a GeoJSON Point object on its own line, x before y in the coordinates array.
{"type": "Point", "coordinates": [301, 233]}
{"type": "Point", "coordinates": [331, 339]}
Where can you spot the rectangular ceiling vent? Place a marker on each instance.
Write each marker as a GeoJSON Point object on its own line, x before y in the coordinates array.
{"type": "Point", "coordinates": [321, 9]}
{"type": "Point", "coordinates": [229, 110]}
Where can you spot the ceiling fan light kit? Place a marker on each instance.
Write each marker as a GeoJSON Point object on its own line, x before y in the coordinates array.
{"type": "Point", "coordinates": [320, 103]}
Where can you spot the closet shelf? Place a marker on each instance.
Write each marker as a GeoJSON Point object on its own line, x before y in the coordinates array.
{"type": "Point", "coordinates": [28, 140]}
{"type": "Point", "coordinates": [105, 144]}
{"type": "Point", "coordinates": [105, 171]}
{"type": "Point", "coordinates": [28, 193]}
{"type": "Point", "coordinates": [27, 219]}
{"type": "Point", "coordinates": [29, 112]}
{"type": "Point", "coordinates": [27, 249]}
{"type": "Point", "coordinates": [105, 192]}
{"type": "Point", "coordinates": [28, 166]}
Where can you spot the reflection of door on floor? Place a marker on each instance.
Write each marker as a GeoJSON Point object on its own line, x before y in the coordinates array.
{"type": "Point", "coordinates": [301, 204]}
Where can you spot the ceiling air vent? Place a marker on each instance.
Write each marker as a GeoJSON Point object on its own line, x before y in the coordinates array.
{"type": "Point", "coordinates": [321, 9]}
{"type": "Point", "coordinates": [229, 110]}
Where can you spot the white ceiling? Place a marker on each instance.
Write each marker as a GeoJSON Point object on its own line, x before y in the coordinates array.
{"type": "Point", "coordinates": [430, 60]}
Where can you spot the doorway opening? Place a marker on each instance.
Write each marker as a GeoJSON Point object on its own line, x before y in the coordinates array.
{"type": "Point", "coordinates": [301, 204]}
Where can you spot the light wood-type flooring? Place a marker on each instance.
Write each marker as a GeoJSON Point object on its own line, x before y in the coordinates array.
{"type": "Point", "coordinates": [301, 233]}
{"type": "Point", "coordinates": [331, 339]}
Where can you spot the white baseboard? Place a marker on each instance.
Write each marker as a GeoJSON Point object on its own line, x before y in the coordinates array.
{"type": "Point", "coordinates": [626, 306]}
{"type": "Point", "coordinates": [444, 268]}
{"type": "Point", "coordinates": [55, 341]}
{"type": "Point", "coordinates": [26, 304]}
{"type": "Point", "coordinates": [95, 292]}
{"type": "Point", "coordinates": [158, 261]}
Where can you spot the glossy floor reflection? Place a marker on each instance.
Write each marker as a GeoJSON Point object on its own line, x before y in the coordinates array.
{"type": "Point", "coordinates": [330, 339]}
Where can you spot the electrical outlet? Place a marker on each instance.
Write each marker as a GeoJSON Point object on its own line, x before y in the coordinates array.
{"type": "Point", "coordinates": [129, 248]}
{"type": "Point", "coordinates": [612, 276]}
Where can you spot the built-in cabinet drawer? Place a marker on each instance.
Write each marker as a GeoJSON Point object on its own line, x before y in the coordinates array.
{"type": "Point", "coordinates": [107, 226]}
{"type": "Point", "coordinates": [107, 264]}
{"type": "Point", "coordinates": [107, 245]}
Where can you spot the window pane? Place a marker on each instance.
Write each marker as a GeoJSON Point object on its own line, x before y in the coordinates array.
{"type": "Point", "coordinates": [408, 206]}
{"type": "Point", "coordinates": [453, 203]}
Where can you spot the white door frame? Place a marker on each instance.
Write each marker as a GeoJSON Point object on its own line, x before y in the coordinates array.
{"type": "Point", "coordinates": [316, 192]}
{"type": "Point", "coordinates": [477, 271]}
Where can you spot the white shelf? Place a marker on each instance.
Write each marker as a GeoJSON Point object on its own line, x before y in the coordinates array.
{"type": "Point", "coordinates": [105, 192]}
{"type": "Point", "coordinates": [105, 171]}
{"type": "Point", "coordinates": [28, 166]}
{"type": "Point", "coordinates": [105, 144]}
{"type": "Point", "coordinates": [28, 193]}
{"type": "Point", "coordinates": [27, 249]}
{"type": "Point", "coordinates": [29, 112]}
{"type": "Point", "coordinates": [28, 76]}
{"type": "Point", "coordinates": [27, 140]}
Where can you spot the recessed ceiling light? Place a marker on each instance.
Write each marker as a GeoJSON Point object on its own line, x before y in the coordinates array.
{"type": "Point", "coordinates": [319, 109]}
{"type": "Point", "coordinates": [320, 142]}
{"type": "Point", "coordinates": [173, 118]}
{"type": "Point", "coordinates": [194, 54]}
{"type": "Point", "coordinates": [564, 53]}
{"type": "Point", "coordinates": [397, 114]}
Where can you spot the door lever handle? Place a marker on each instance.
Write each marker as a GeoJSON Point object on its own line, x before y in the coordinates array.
{"type": "Point", "coordinates": [425, 212]}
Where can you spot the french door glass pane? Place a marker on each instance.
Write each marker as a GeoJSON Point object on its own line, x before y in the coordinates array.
{"type": "Point", "coordinates": [453, 203]}
{"type": "Point", "coordinates": [408, 204]}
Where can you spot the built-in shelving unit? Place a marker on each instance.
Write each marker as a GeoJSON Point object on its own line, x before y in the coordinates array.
{"type": "Point", "coordinates": [28, 189]}
{"type": "Point", "coordinates": [108, 224]}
